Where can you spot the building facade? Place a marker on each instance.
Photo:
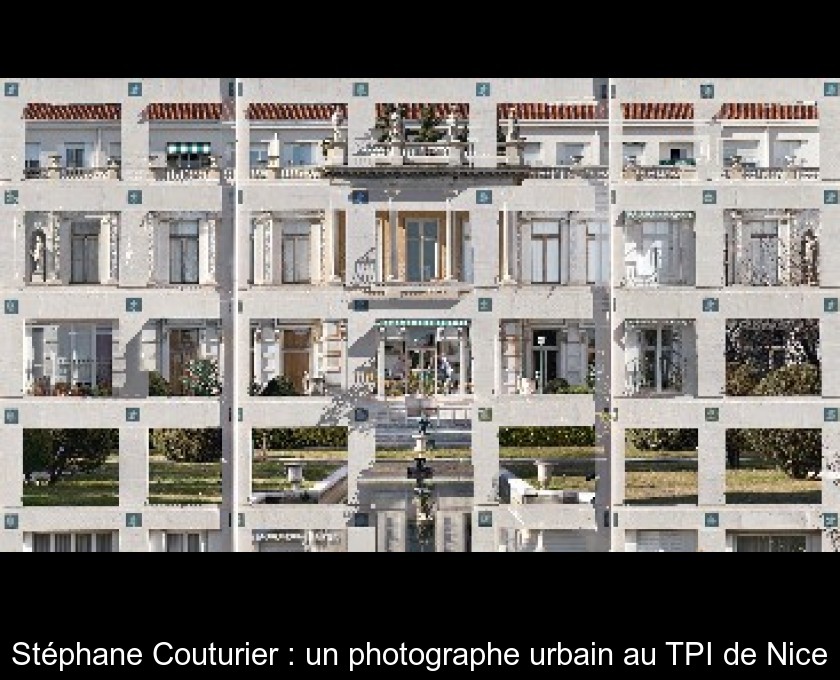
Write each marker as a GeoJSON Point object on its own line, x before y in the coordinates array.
{"type": "Point", "coordinates": [385, 264]}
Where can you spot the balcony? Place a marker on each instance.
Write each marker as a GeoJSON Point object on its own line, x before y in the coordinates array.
{"type": "Point", "coordinates": [678, 169]}
{"type": "Point", "coordinates": [211, 172]}
{"type": "Point", "coordinates": [273, 172]}
{"type": "Point", "coordinates": [570, 172]}
{"type": "Point", "coordinates": [68, 360]}
{"type": "Point", "coordinates": [414, 153]}
{"type": "Point", "coordinates": [737, 169]}
{"type": "Point", "coordinates": [55, 170]}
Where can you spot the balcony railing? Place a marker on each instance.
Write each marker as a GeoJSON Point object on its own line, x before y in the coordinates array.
{"type": "Point", "coordinates": [641, 375]}
{"type": "Point", "coordinates": [792, 172]}
{"type": "Point", "coordinates": [415, 153]}
{"type": "Point", "coordinates": [58, 172]}
{"type": "Point", "coordinates": [634, 278]}
{"type": "Point", "coordinates": [678, 170]}
{"type": "Point", "coordinates": [569, 172]}
{"type": "Point", "coordinates": [167, 174]}
{"type": "Point", "coordinates": [287, 172]}
{"type": "Point", "coordinates": [44, 387]}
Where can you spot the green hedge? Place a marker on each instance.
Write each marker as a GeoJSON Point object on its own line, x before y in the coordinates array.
{"type": "Point", "coordinates": [662, 439]}
{"type": "Point", "coordinates": [283, 438]}
{"type": "Point", "coordinates": [547, 436]}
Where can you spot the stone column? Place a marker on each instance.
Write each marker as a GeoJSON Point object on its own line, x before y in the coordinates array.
{"type": "Point", "coordinates": [506, 278]}
{"type": "Point", "coordinates": [203, 252]}
{"type": "Point", "coordinates": [711, 464]}
{"type": "Point", "coordinates": [462, 361]}
{"type": "Point", "coordinates": [711, 359]}
{"type": "Point", "coordinates": [134, 467]}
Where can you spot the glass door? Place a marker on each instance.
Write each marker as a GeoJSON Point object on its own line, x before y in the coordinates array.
{"type": "Point", "coordinates": [422, 250]}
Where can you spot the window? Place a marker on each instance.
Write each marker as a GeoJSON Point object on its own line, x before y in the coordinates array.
{"type": "Point", "coordinates": [597, 253]}
{"type": "Point", "coordinates": [84, 252]}
{"type": "Point", "coordinates": [532, 153]}
{"type": "Point", "coordinates": [568, 153]}
{"type": "Point", "coordinates": [769, 543]}
{"type": "Point", "coordinates": [183, 252]}
{"type": "Point", "coordinates": [176, 542]}
{"type": "Point", "coordinates": [32, 162]}
{"type": "Point", "coordinates": [84, 354]}
{"type": "Point", "coordinates": [258, 154]}
{"type": "Point", "coordinates": [72, 542]}
{"type": "Point", "coordinates": [41, 542]}
{"type": "Point", "coordinates": [187, 155]}
{"type": "Point", "coordinates": [421, 250]}
{"type": "Point", "coordinates": [74, 155]}
{"type": "Point", "coordinates": [298, 153]}
{"type": "Point", "coordinates": [653, 357]}
{"type": "Point", "coordinates": [550, 252]}
{"type": "Point", "coordinates": [296, 255]}
{"type": "Point", "coordinates": [115, 152]}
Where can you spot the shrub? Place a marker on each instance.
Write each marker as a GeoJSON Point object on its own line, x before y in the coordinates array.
{"type": "Point", "coordinates": [57, 451]}
{"type": "Point", "coordinates": [791, 380]}
{"type": "Point", "coordinates": [183, 445]}
{"type": "Point", "coordinates": [201, 378]}
{"type": "Point", "coordinates": [279, 386]}
{"type": "Point", "coordinates": [663, 439]}
{"type": "Point", "coordinates": [797, 452]}
{"type": "Point", "coordinates": [282, 438]}
{"type": "Point", "coordinates": [158, 385]}
{"type": "Point", "coordinates": [741, 379]}
{"type": "Point", "coordinates": [547, 436]}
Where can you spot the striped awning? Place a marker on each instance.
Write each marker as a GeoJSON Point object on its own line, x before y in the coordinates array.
{"type": "Point", "coordinates": [173, 148]}
{"type": "Point", "coordinates": [433, 323]}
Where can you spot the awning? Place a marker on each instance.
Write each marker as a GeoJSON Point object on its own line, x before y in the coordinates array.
{"type": "Point", "coordinates": [428, 323]}
{"type": "Point", "coordinates": [173, 148]}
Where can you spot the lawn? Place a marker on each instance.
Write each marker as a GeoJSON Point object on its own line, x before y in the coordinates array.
{"type": "Point", "coordinates": [660, 483]}
{"type": "Point", "coordinates": [172, 483]}
{"type": "Point", "coordinates": [303, 454]}
{"type": "Point", "coordinates": [769, 485]}
{"type": "Point", "coordinates": [568, 475]}
{"type": "Point", "coordinates": [505, 453]}
{"type": "Point", "coordinates": [270, 475]}
{"type": "Point", "coordinates": [99, 487]}
{"type": "Point", "coordinates": [630, 451]}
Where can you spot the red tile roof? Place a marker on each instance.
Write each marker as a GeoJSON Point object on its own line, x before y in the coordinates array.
{"type": "Point", "coordinates": [184, 111]}
{"type": "Point", "coordinates": [543, 111]}
{"type": "Point", "coordinates": [768, 111]}
{"type": "Point", "coordinates": [272, 111]}
{"type": "Point", "coordinates": [414, 111]}
{"type": "Point", "coordinates": [658, 111]}
{"type": "Point", "coordinates": [39, 111]}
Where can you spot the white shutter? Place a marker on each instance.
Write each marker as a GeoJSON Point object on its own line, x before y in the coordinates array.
{"type": "Point", "coordinates": [632, 349]}
{"type": "Point", "coordinates": [161, 253]}
{"type": "Point", "coordinates": [149, 347]}
{"type": "Point", "coordinates": [210, 341]}
{"type": "Point", "coordinates": [563, 541]}
{"type": "Point", "coordinates": [665, 541]}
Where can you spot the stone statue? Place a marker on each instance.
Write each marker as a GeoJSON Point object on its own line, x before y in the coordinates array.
{"type": "Point", "coordinates": [423, 425]}
{"type": "Point", "coordinates": [396, 126]}
{"type": "Point", "coordinates": [512, 125]}
{"type": "Point", "coordinates": [37, 253]}
{"type": "Point", "coordinates": [337, 119]}
{"type": "Point", "coordinates": [452, 126]}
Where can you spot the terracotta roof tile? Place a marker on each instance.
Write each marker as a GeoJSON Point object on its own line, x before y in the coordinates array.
{"type": "Point", "coordinates": [273, 111]}
{"type": "Point", "coordinates": [414, 111]}
{"type": "Point", "coordinates": [767, 111]}
{"type": "Point", "coordinates": [658, 111]}
{"type": "Point", "coordinates": [185, 111]}
{"type": "Point", "coordinates": [41, 111]}
{"type": "Point", "coordinates": [544, 111]}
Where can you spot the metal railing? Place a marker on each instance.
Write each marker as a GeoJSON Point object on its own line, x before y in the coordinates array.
{"type": "Point", "coordinates": [587, 172]}
{"type": "Point", "coordinates": [287, 172]}
{"type": "Point", "coordinates": [794, 172]}
{"type": "Point", "coordinates": [110, 172]}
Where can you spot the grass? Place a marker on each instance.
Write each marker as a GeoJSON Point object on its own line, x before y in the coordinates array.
{"type": "Point", "coordinates": [569, 475]}
{"type": "Point", "coordinates": [302, 454]}
{"type": "Point", "coordinates": [99, 487]}
{"type": "Point", "coordinates": [661, 483]}
{"type": "Point", "coordinates": [172, 483]}
{"type": "Point", "coordinates": [630, 451]}
{"type": "Point", "coordinates": [270, 475]}
{"type": "Point", "coordinates": [505, 452]}
{"type": "Point", "coordinates": [768, 485]}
